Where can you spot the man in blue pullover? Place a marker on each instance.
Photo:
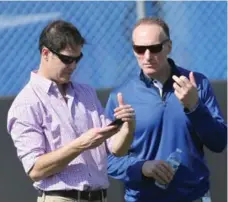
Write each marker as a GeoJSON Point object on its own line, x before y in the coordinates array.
{"type": "Point", "coordinates": [175, 108]}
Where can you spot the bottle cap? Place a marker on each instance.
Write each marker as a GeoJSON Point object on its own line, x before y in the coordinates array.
{"type": "Point", "coordinates": [178, 150]}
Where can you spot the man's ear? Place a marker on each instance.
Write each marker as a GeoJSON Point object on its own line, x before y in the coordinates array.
{"type": "Point", "coordinates": [169, 47]}
{"type": "Point", "coordinates": [44, 53]}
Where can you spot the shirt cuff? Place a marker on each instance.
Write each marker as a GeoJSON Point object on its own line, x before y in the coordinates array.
{"type": "Point", "coordinates": [135, 171]}
{"type": "Point", "coordinates": [29, 160]}
{"type": "Point", "coordinates": [186, 110]}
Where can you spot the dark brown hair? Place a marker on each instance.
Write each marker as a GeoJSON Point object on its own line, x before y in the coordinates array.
{"type": "Point", "coordinates": [59, 35]}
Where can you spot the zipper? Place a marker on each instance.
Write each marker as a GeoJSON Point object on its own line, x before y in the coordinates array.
{"type": "Point", "coordinates": [163, 97]}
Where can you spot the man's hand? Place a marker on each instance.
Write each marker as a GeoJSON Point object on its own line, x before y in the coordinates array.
{"type": "Point", "coordinates": [96, 136]}
{"type": "Point", "coordinates": [55, 161]}
{"type": "Point", "coordinates": [159, 170]}
{"type": "Point", "coordinates": [121, 142]}
{"type": "Point", "coordinates": [126, 113]}
{"type": "Point", "coordinates": [186, 90]}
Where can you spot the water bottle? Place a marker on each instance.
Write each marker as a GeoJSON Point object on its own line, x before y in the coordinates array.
{"type": "Point", "coordinates": [206, 197]}
{"type": "Point", "coordinates": [174, 161]}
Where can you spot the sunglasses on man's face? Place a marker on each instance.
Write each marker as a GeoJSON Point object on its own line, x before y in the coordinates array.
{"type": "Point", "coordinates": [67, 59]}
{"type": "Point", "coordinates": [157, 48]}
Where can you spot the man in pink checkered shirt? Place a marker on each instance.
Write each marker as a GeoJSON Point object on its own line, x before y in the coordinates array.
{"type": "Point", "coordinates": [59, 128]}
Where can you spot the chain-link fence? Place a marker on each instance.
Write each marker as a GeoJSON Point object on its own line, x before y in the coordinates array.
{"type": "Point", "coordinates": [199, 34]}
{"type": "Point", "coordinates": [198, 31]}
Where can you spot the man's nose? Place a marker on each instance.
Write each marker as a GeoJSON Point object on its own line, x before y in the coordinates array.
{"type": "Point", "coordinates": [147, 54]}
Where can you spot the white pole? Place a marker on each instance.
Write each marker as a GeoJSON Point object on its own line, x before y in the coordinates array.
{"type": "Point", "coordinates": [140, 9]}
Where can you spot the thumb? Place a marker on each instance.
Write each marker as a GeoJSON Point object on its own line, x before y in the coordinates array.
{"type": "Point", "coordinates": [192, 79]}
{"type": "Point", "coordinates": [120, 99]}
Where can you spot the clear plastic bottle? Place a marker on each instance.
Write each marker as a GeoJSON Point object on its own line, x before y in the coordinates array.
{"type": "Point", "coordinates": [174, 160]}
{"type": "Point", "coordinates": [206, 197]}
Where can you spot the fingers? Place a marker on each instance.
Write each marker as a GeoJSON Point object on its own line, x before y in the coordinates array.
{"type": "Point", "coordinates": [125, 113]}
{"type": "Point", "coordinates": [168, 170]}
{"type": "Point", "coordinates": [186, 90]}
{"type": "Point", "coordinates": [120, 99]}
{"type": "Point", "coordinates": [182, 87]}
{"type": "Point", "coordinates": [192, 79]}
{"type": "Point", "coordinates": [177, 87]}
{"type": "Point", "coordinates": [122, 108]}
{"type": "Point", "coordinates": [160, 176]}
{"type": "Point", "coordinates": [182, 82]}
{"type": "Point", "coordinates": [159, 170]}
{"type": "Point", "coordinates": [164, 173]}
{"type": "Point", "coordinates": [107, 129]}
{"type": "Point", "coordinates": [179, 95]}
{"type": "Point", "coordinates": [107, 132]}
{"type": "Point", "coordinates": [128, 119]}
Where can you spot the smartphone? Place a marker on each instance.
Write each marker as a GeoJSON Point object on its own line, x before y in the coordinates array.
{"type": "Point", "coordinates": [117, 122]}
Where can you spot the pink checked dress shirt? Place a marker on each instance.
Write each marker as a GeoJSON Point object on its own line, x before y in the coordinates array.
{"type": "Point", "coordinates": [40, 121]}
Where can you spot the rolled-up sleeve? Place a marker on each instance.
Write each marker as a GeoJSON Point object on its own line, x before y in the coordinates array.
{"type": "Point", "coordinates": [24, 126]}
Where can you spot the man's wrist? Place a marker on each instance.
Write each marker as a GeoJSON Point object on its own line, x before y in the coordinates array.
{"type": "Point", "coordinates": [189, 109]}
{"type": "Point", "coordinates": [79, 145]}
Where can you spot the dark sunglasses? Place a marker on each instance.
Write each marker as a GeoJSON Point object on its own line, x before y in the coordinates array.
{"type": "Point", "coordinates": [65, 58]}
{"type": "Point", "coordinates": [157, 48]}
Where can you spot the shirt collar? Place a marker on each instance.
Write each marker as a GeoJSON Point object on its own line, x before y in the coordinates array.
{"type": "Point", "coordinates": [47, 85]}
{"type": "Point", "coordinates": [148, 81]}
{"type": "Point", "coordinates": [41, 81]}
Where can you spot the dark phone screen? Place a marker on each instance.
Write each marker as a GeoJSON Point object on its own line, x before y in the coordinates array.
{"type": "Point", "coordinates": [117, 122]}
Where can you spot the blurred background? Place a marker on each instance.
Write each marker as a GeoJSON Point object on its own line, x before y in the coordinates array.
{"type": "Point", "coordinates": [198, 31]}
{"type": "Point", "coordinates": [199, 35]}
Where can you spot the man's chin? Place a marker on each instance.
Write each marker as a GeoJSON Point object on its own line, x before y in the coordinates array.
{"type": "Point", "coordinates": [149, 72]}
{"type": "Point", "coordinates": [64, 80]}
